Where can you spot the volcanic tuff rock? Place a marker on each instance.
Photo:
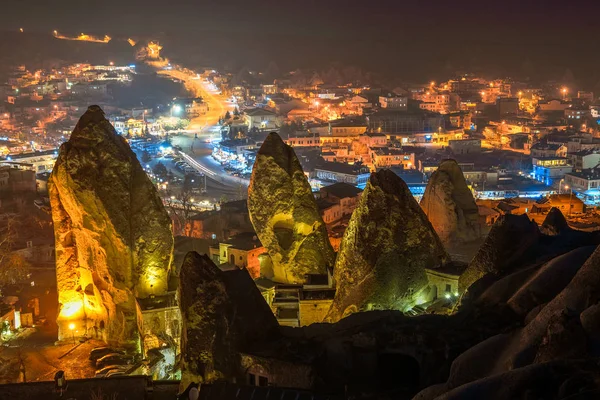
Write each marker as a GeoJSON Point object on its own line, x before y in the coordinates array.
{"type": "Point", "coordinates": [285, 216]}
{"type": "Point", "coordinates": [384, 252]}
{"type": "Point", "coordinates": [554, 223]}
{"type": "Point", "coordinates": [113, 235]}
{"type": "Point", "coordinates": [449, 205]}
{"type": "Point", "coordinates": [510, 238]}
{"type": "Point", "coordinates": [222, 312]}
{"type": "Point", "coordinates": [560, 334]}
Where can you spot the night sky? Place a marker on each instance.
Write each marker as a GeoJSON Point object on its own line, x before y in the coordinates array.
{"type": "Point", "coordinates": [401, 38]}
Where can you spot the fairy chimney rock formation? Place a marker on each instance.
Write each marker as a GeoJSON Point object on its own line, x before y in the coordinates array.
{"type": "Point", "coordinates": [285, 215]}
{"type": "Point", "coordinates": [223, 313]}
{"type": "Point", "coordinates": [113, 236]}
{"type": "Point", "coordinates": [449, 205]}
{"type": "Point", "coordinates": [384, 252]}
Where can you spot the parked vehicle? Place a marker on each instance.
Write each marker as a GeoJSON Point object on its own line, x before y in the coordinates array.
{"type": "Point", "coordinates": [104, 371]}
{"type": "Point", "coordinates": [100, 352]}
{"type": "Point", "coordinates": [113, 359]}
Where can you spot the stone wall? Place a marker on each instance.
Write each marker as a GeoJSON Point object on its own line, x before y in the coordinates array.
{"type": "Point", "coordinates": [313, 311]}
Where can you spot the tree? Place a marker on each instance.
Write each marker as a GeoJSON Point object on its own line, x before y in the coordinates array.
{"type": "Point", "coordinates": [227, 115]}
{"type": "Point", "coordinates": [236, 112]}
{"type": "Point", "coordinates": [160, 170]}
{"type": "Point", "coordinates": [181, 204]}
{"type": "Point", "coordinates": [146, 157]}
{"type": "Point", "coordinates": [14, 269]}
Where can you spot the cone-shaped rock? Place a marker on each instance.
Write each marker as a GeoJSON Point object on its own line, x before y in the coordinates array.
{"type": "Point", "coordinates": [554, 223]}
{"type": "Point", "coordinates": [113, 235]}
{"type": "Point", "coordinates": [511, 237]}
{"type": "Point", "coordinates": [449, 205]}
{"type": "Point", "coordinates": [387, 246]}
{"type": "Point", "coordinates": [223, 313]}
{"type": "Point", "coordinates": [285, 216]}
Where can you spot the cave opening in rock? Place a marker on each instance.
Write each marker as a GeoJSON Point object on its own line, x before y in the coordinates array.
{"type": "Point", "coordinates": [398, 372]}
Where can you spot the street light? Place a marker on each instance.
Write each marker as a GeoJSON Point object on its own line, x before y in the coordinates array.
{"type": "Point", "coordinates": [570, 197]}
{"type": "Point", "coordinates": [72, 329]}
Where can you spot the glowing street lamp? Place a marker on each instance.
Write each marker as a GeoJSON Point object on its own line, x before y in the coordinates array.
{"type": "Point", "coordinates": [564, 92]}
{"type": "Point", "coordinates": [72, 329]}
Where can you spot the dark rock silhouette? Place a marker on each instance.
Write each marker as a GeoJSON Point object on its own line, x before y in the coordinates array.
{"type": "Point", "coordinates": [223, 313]}
{"type": "Point", "coordinates": [511, 237]}
{"type": "Point", "coordinates": [554, 223]}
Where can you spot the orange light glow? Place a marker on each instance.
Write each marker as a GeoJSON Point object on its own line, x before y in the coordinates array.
{"type": "Point", "coordinates": [70, 309]}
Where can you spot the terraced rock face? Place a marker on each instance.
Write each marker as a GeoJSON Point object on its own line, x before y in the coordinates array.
{"type": "Point", "coordinates": [223, 312]}
{"type": "Point", "coordinates": [285, 216]}
{"type": "Point", "coordinates": [387, 246]}
{"type": "Point", "coordinates": [449, 205]}
{"type": "Point", "coordinates": [113, 235]}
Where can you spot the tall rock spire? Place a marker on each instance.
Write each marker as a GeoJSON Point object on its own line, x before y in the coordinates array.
{"type": "Point", "coordinates": [113, 236]}
{"type": "Point", "coordinates": [387, 246]}
{"type": "Point", "coordinates": [285, 216]}
{"type": "Point", "coordinates": [449, 205]}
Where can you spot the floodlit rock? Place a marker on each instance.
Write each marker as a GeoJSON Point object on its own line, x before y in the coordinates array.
{"type": "Point", "coordinates": [449, 205]}
{"type": "Point", "coordinates": [554, 223]}
{"type": "Point", "coordinates": [113, 235]}
{"type": "Point", "coordinates": [285, 216]}
{"type": "Point", "coordinates": [387, 246]}
{"type": "Point", "coordinates": [222, 313]}
{"type": "Point", "coordinates": [511, 238]}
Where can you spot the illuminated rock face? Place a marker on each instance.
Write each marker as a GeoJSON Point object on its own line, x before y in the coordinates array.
{"type": "Point", "coordinates": [511, 237]}
{"type": "Point", "coordinates": [387, 246]}
{"type": "Point", "coordinates": [449, 205]}
{"type": "Point", "coordinates": [223, 312]}
{"type": "Point", "coordinates": [285, 215]}
{"type": "Point", "coordinates": [113, 236]}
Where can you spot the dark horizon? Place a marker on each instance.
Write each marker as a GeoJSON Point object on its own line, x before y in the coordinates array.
{"type": "Point", "coordinates": [406, 41]}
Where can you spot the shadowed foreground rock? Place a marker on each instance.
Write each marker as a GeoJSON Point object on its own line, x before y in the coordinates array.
{"type": "Point", "coordinates": [554, 223]}
{"type": "Point", "coordinates": [511, 237]}
{"type": "Point", "coordinates": [384, 252]}
{"type": "Point", "coordinates": [113, 235]}
{"type": "Point", "coordinates": [449, 205]}
{"type": "Point", "coordinates": [222, 313]}
{"type": "Point", "coordinates": [285, 216]}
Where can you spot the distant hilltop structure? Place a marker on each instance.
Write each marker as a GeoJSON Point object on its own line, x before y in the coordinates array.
{"type": "Point", "coordinates": [149, 52]}
{"type": "Point", "coordinates": [82, 37]}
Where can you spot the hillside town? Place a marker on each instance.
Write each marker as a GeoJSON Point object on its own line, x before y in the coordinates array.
{"type": "Point", "coordinates": [206, 141]}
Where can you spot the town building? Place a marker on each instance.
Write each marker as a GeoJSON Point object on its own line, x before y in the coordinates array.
{"type": "Point", "coordinates": [356, 175]}
{"type": "Point", "coordinates": [550, 169]}
{"type": "Point", "coordinates": [392, 157]}
{"type": "Point", "coordinates": [38, 161]}
{"type": "Point", "coordinates": [15, 180]}
{"type": "Point", "coordinates": [338, 201]}
{"type": "Point", "coordinates": [586, 183]}
{"type": "Point", "coordinates": [241, 251]}
{"type": "Point", "coordinates": [395, 122]}
{"type": "Point", "coordinates": [585, 159]}
{"type": "Point", "coordinates": [465, 146]}
{"type": "Point", "coordinates": [260, 118]}
{"type": "Point", "coordinates": [576, 113]}
{"type": "Point", "coordinates": [393, 102]}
